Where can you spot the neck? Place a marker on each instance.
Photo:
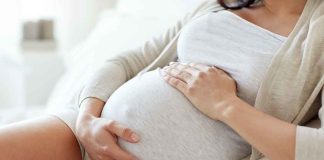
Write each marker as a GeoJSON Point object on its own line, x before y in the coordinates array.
{"type": "Point", "coordinates": [285, 6]}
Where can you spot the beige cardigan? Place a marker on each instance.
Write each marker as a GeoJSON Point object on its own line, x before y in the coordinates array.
{"type": "Point", "coordinates": [291, 90]}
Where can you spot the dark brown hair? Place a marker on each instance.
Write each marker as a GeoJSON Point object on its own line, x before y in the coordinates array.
{"type": "Point", "coordinates": [237, 4]}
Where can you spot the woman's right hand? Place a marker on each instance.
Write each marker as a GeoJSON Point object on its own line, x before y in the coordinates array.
{"type": "Point", "coordinates": [99, 137]}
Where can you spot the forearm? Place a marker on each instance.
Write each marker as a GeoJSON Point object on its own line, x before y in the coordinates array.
{"type": "Point", "coordinates": [271, 136]}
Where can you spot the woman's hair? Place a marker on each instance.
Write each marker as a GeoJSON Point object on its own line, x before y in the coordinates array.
{"type": "Point", "coordinates": [237, 4]}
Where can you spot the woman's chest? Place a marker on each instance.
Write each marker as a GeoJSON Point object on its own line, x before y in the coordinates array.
{"type": "Point", "coordinates": [233, 45]}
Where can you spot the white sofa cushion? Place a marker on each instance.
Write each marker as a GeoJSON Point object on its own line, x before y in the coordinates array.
{"type": "Point", "coordinates": [11, 82]}
{"type": "Point", "coordinates": [114, 33]}
{"type": "Point", "coordinates": [123, 28]}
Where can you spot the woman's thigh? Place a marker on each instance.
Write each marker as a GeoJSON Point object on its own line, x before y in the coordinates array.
{"type": "Point", "coordinates": [42, 138]}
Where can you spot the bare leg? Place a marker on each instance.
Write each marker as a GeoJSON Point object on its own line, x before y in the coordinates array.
{"type": "Point", "coordinates": [39, 139]}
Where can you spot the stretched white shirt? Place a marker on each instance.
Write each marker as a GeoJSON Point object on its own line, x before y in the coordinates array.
{"type": "Point", "coordinates": [170, 127]}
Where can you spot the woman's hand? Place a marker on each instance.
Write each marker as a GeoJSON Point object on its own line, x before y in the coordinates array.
{"type": "Point", "coordinates": [99, 135]}
{"type": "Point", "coordinates": [211, 90]}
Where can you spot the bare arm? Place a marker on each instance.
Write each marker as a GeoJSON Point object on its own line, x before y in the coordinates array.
{"type": "Point", "coordinates": [271, 136]}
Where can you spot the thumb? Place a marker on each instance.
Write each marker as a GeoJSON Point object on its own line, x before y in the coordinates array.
{"type": "Point", "coordinates": [122, 132]}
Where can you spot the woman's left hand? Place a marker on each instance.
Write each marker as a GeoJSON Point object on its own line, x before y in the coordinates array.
{"type": "Point", "coordinates": [209, 89]}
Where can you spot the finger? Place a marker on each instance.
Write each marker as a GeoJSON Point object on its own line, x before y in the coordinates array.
{"type": "Point", "coordinates": [117, 153]}
{"type": "Point", "coordinates": [93, 156]}
{"type": "Point", "coordinates": [90, 157]}
{"type": "Point", "coordinates": [176, 83]}
{"type": "Point", "coordinates": [220, 70]}
{"type": "Point", "coordinates": [181, 71]}
{"type": "Point", "coordinates": [103, 156]}
{"type": "Point", "coordinates": [107, 158]}
{"type": "Point", "coordinates": [122, 132]}
{"type": "Point", "coordinates": [184, 67]}
{"type": "Point", "coordinates": [179, 74]}
{"type": "Point", "coordinates": [211, 69]}
{"type": "Point", "coordinates": [200, 67]}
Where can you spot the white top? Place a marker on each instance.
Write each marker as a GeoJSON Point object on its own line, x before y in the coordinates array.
{"type": "Point", "coordinates": [231, 43]}
{"type": "Point", "coordinates": [169, 125]}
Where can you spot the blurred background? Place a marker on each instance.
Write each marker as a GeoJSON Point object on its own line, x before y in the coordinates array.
{"type": "Point", "coordinates": [48, 47]}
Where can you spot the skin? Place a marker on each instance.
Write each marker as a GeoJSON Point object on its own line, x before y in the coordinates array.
{"type": "Point", "coordinates": [221, 103]}
{"type": "Point", "coordinates": [41, 138]}
{"type": "Point", "coordinates": [276, 16]}
{"type": "Point", "coordinates": [98, 135]}
{"type": "Point", "coordinates": [50, 138]}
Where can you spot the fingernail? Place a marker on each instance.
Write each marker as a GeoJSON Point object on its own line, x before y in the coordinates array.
{"type": "Point", "coordinates": [171, 63]}
{"type": "Point", "coordinates": [134, 137]}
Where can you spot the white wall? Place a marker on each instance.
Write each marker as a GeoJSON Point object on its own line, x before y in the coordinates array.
{"type": "Point", "coordinates": [74, 21]}
{"type": "Point", "coordinates": [9, 30]}
{"type": "Point", "coordinates": [76, 18]}
{"type": "Point", "coordinates": [11, 79]}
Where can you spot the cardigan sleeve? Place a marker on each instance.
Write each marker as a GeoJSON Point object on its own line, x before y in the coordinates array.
{"type": "Point", "coordinates": [119, 69]}
{"type": "Point", "coordinates": [310, 141]}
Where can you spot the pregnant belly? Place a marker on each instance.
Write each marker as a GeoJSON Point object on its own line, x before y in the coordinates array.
{"type": "Point", "coordinates": [169, 126]}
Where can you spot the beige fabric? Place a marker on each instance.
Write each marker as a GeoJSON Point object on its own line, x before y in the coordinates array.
{"type": "Point", "coordinates": [290, 91]}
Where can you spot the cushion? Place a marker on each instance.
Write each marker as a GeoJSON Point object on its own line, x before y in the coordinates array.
{"type": "Point", "coordinates": [125, 27]}
{"type": "Point", "coordinates": [114, 33]}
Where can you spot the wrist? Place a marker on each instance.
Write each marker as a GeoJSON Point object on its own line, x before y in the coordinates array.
{"type": "Point", "coordinates": [83, 121]}
{"type": "Point", "coordinates": [228, 108]}
{"type": "Point", "coordinates": [85, 117]}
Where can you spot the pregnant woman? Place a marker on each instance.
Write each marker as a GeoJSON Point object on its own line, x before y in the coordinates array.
{"type": "Point", "coordinates": [232, 80]}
